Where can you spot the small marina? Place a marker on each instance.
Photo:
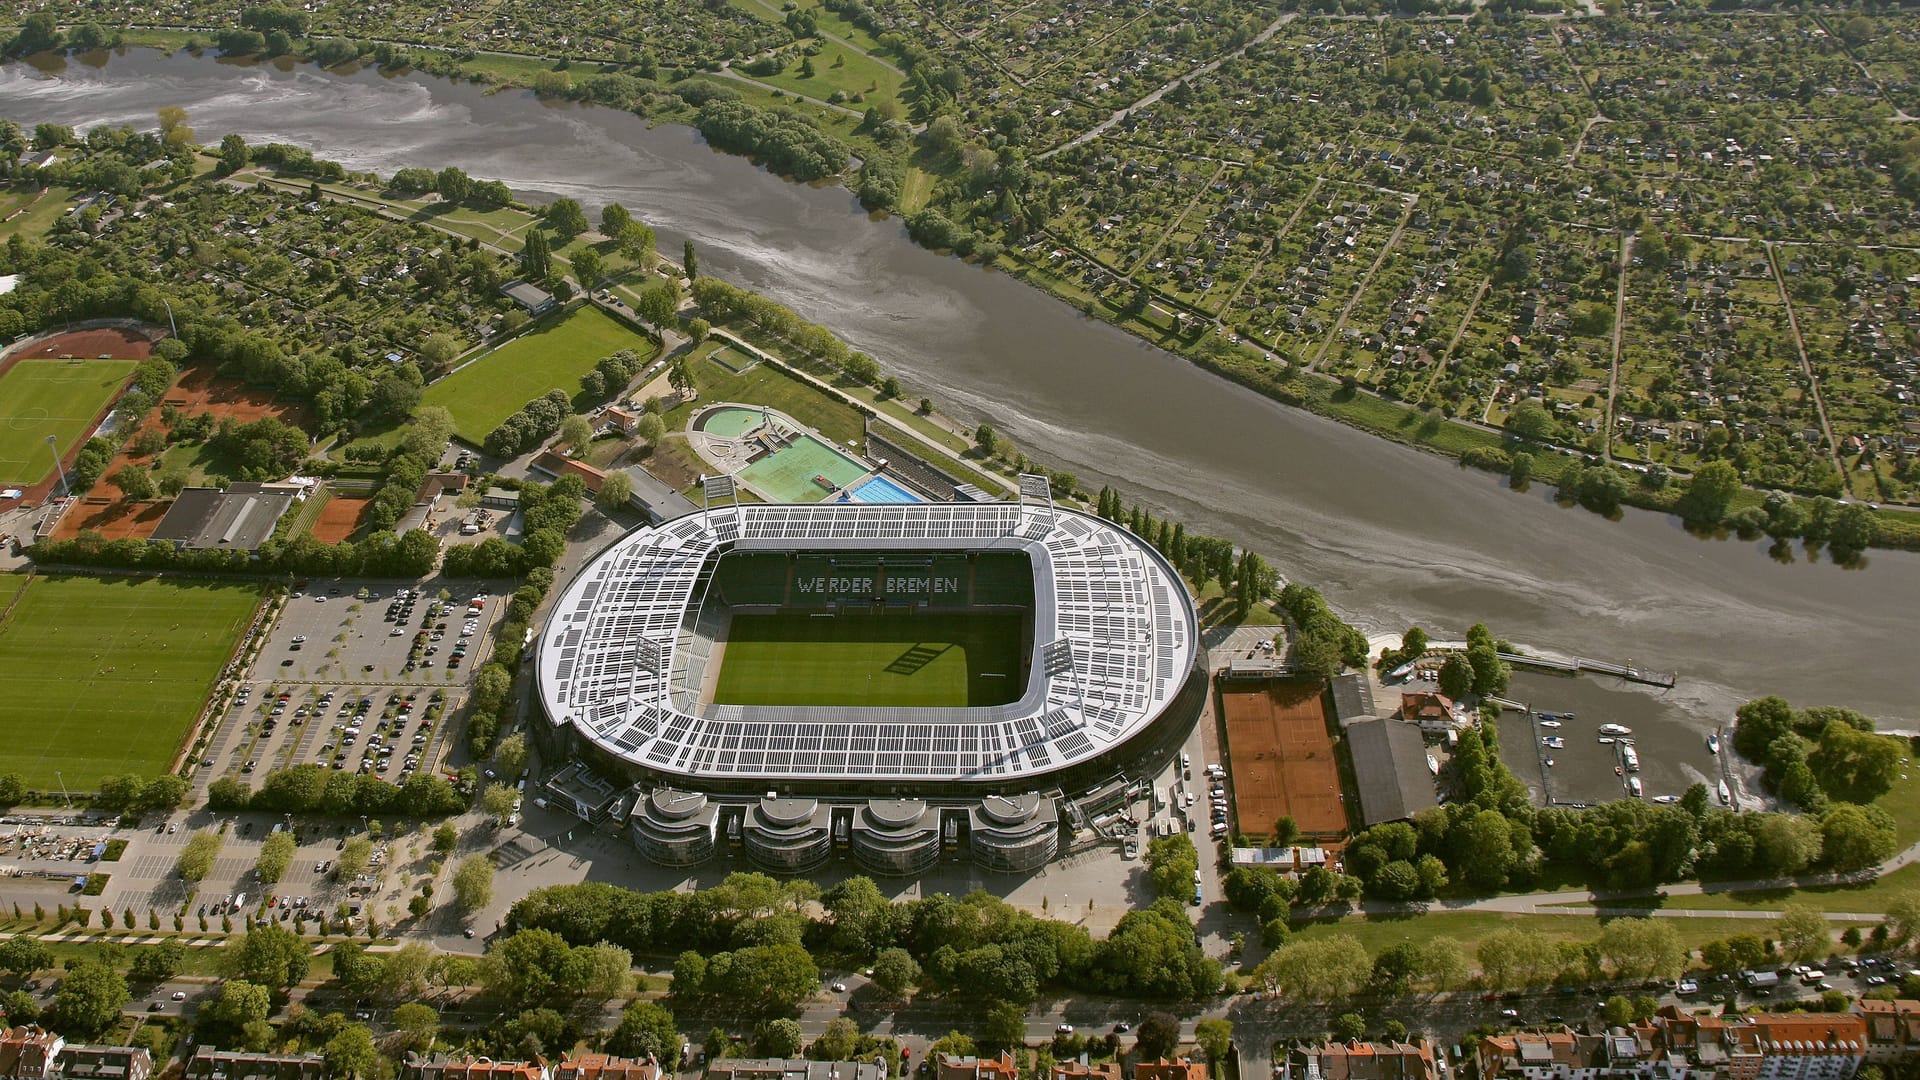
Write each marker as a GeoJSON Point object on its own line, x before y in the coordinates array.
{"type": "Point", "coordinates": [1578, 742]}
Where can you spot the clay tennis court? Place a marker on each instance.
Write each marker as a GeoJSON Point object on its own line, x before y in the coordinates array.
{"type": "Point", "coordinates": [1282, 758]}
{"type": "Point", "coordinates": [338, 519]}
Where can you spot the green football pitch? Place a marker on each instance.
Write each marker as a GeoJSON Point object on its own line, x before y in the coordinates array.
{"type": "Point", "coordinates": [105, 676]}
{"type": "Point", "coordinates": [925, 659]}
{"type": "Point", "coordinates": [60, 398]}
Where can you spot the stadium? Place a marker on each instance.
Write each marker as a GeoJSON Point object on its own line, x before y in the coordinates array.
{"type": "Point", "coordinates": [895, 684]}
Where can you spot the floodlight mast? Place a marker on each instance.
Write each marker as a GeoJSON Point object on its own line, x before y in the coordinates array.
{"type": "Point", "coordinates": [53, 444]}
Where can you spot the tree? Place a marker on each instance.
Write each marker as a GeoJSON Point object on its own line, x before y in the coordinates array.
{"type": "Point", "coordinates": [445, 838]}
{"type": "Point", "coordinates": [615, 491]}
{"type": "Point", "coordinates": [780, 1038]}
{"type": "Point", "coordinates": [1158, 1036]}
{"type": "Point", "coordinates": [895, 972]}
{"type": "Point", "coordinates": [22, 956]}
{"type": "Point", "coordinates": [615, 220]}
{"type": "Point", "coordinates": [1321, 969]}
{"type": "Point", "coordinates": [986, 439]}
{"type": "Point", "coordinates": [498, 801]}
{"type": "Point", "coordinates": [157, 963]}
{"type": "Point", "coordinates": [270, 956]}
{"type": "Point", "coordinates": [1456, 677]}
{"type": "Point", "coordinates": [276, 855]}
{"type": "Point", "coordinates": [589, 268]}
{"type": "Point", "coordinates": [1903, 916]}
{"type": "Point", "coordinates": [1485, 844]}
{"type": "Point", "coordinates": [439, 350]}
{"type": "Point", "coordinates": [1710, 492]}
{"type": "Point", "coordinates": [576, 432]}
{"type": "Point", "coordinates": [173, 127]}
{"type": "Point", "coordinates": [1531, 420]}
{"type": "Point", "coordinates": [651, 428]}
{"type": "Point", "coordinates": [1005, 1025]}
{"type": "Point", "coordinates": [536, 256]}
{"type": "Point", "coordinates": [134, 481]}
{"type": "Point", "coordinates": [351, 1054]}
{"type": "Point", "coordinates": [1855, 837]}
{"type": "Point", "coordinates": [473, 884]}
{"type": "Point", "coordinates": [1172, 863]}
{"type": "Point", "coordinates": [689, 261]}
{"type": "Point", "coordinates": [452, 184]}
{"type": "Point", "coordinates": [353, 858]}
{"type": "Point", "coordinates": [838, 1041]}
{"type": "Point", "coordinates": [658, 303]}
{"type": "Point", "coordinates": [1803, 932]}
{"type": "Point", "coordinates": [240, 1003]}
{"type": "Point", "coordinates": [89, 1000]}
{"type": "Point", "coordinates": [566, 219]}
{"type": "Point", "coordinates": [1518, 958]}
{"type": "Point", "coordinates": [419, 1023]}
{"type": "Point", "coordinates": [1214, 1036]}
{"type": "Point", "coordinates": [646, 1029]}
{"type": "Point", "coordinates": [1348, 1027]}
{"type": "Point", "coordinates": [1643, 948]}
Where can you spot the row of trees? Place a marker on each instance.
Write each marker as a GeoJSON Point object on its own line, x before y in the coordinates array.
{"type": "Point", "coordinates": [720, 302]}
{"type": "Point", "coordinates": [316, 789]}
{"type": "Point", "coordinates": [533, 424]}
{"type": "Point", "coordinates": [1200, 558]}
{"type": "Point", "coordinates": [974, 947]}
{"type": "Point", "coordinates": [1323, 643]}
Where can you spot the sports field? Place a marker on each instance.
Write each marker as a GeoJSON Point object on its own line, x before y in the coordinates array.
{"type": "Point", "coordinates": [788, 474]}
{"type": "Point", "coordinates": [106, 675]}
{"type": "Point", "coordinates": [61, 398]}
{"type": "Point", "coordinates": [493, 387]}
{"type": "Point", "coordinates": [925, 660]}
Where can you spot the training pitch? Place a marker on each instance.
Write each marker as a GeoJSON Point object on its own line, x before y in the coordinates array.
{"type": "Point", "coordinates": [61, 398]}
{"type": "Point", "coordinates": [105, 676]}
{"type": "Point", "coordinates": [923, 660]}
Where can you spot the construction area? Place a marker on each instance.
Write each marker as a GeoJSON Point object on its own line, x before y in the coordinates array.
{"type": "Point", "coordinates": [1281, 758]}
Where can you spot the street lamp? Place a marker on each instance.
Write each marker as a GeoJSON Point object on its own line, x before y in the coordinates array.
{"type": "Point", "coordinates": [170, 322]}
{"type": "Point", "coordinates": [63, 787]}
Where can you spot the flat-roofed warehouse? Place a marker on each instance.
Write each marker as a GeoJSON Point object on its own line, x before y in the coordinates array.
{"type": "Point", "coordinates": [239, 518]}
{"type": "Point", "coordinates": [1390, 769]}
{"type": "Point", "coordinates": [1112, 669]}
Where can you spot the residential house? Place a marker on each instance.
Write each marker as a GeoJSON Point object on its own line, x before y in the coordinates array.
{"type": "Point", "coordinates": [1355, 1060]}
{"type": "Point", "coordinates": [1893, 1028]}
{"type": "Point", "coordinates": [1177, 1069]}
{"type": "Point", "coordinates": [605, 1067]}
{"type": "Point", "coordinates": [1081, 1070]}
{"type": "Point", "coordinates": [467, 1067]}
{"type": "Point", "coordinates": [104, 1063]}
{"type": "Point", "coordinates": [28, 1053]}
{"type": "Point", "coordinates": [210, 1064]}
{"type": "Point", "coordinates": [968, 1067]}
{"type": "Point", "coordinates": [793, 1069]}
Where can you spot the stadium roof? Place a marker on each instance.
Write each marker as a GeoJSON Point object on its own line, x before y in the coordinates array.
{"type": "Point", "coordinates": [617, 628]}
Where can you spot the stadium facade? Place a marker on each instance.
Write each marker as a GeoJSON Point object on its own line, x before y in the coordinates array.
{"type": "Point", "coordinates": [1110, 681]}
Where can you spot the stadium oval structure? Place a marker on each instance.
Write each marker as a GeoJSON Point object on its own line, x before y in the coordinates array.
{"type": "Point", "coordinates": [1114, 657]}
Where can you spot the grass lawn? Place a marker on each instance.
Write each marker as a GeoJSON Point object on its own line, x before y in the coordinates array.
{"type": "Point", "coordinates": [105, 675]}
{"type": "Point", "coordinates": [856, 73]}
{"type": "Point", "coordinates": [928, 660]}
{"type": "Point", "coordinates": [24, 210]}
{"type": "Point", "coordinates": [200, 461]}
{"type": "Point", "coordinates": [495, 386]}
{"type": "Point", "coordinates": [39, 398]}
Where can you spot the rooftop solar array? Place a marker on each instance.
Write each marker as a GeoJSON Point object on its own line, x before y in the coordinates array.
{"type": "Point", "coordinates": [1129, 622]}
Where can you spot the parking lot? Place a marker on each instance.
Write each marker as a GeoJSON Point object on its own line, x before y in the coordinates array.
{"type": "Point", "coordinates": [356, 678]}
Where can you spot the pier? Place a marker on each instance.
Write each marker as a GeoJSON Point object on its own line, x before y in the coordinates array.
{"type": "Point", "coordinates": [1575, 665]}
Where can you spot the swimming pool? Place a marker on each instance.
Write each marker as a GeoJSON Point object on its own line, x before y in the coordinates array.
{"type": "Point", "coordinates": [731, 422]}
{"type": "Point", "coordinates": [793, 474]}
{"type": "Point", "coordinates": [882, 490]}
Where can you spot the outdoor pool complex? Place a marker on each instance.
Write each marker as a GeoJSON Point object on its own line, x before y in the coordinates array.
{"type": "Point", "coordinates": [882, 490]}
{"type": "Point", "coordinates": [789, 474]}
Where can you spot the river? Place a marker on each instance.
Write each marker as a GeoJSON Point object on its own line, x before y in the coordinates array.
{"type": "Point", "coordinates": [1391, 535]}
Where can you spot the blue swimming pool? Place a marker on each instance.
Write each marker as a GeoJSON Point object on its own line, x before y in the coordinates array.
{"type": "Point", "coordinates": [882, 490]}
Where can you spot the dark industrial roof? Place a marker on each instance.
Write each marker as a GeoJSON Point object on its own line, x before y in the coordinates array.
{"type": "Point", "coordinates": [1390, 766]}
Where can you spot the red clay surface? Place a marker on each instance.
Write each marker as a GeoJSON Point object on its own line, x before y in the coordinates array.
{"type": "Point", "coordinates": [339, 519]}
{"type": "Point", "coordinates": [196, 391]}
{"type": "Point", "coordinates": [1282, 759]}
{"type": "Point", "coordinates": [89, 344]}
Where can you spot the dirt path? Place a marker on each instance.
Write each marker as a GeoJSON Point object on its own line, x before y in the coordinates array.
{"type": "Point", "coordinates": [1360, 290]}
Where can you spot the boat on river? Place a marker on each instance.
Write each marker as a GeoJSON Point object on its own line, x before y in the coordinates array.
{"type": "Point", "coordinates": [1666, 799]}
{"type": "Point", "coordinates": [1549, 723]}
{"type": "Point", "coordinates": [1615, 729]}
{"type": "Point", "coordinates": [1713, 743]}
{"type": "Point", "coordinates": [1726, 794]}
